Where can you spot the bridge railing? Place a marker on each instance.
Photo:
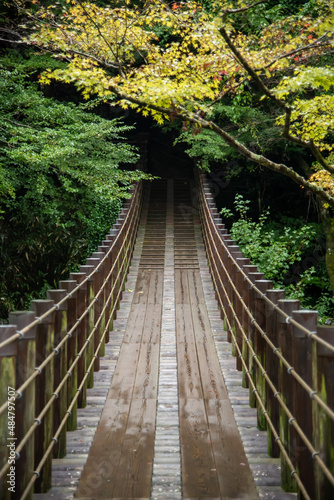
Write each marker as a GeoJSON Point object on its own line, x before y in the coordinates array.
{"type": "Point", "coordinates": [48, 357]}
{"type": "Point", "coordinates": [287, 360]}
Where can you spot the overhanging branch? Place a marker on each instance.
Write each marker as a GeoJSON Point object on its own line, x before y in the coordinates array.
{"type": "Point", "coordinates": [243, 9]}
{"type": "Point", "coordinates": [192, 117]}
{"type": "Point", "coordinates": [282, 104]}
{"type": "Point", "coordinates": [315, 44]}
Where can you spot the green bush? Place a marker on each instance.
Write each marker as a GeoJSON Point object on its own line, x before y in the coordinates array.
{"type": "Point", "coordinates": [290, 252]}
{"type": "Point", "coordinates": [62, 179]}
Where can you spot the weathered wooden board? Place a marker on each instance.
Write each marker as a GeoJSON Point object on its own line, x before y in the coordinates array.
{"type": "Point", "coordinates": [199, 476]}
{"type": "Point", "coordinates": [120, 461]}
{"type": "Point", "coordinates": [189, 381]}
{"type": "Point", "coordinates": [213, 460]}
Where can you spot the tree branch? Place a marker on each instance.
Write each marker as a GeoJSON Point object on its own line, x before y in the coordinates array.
{"type": "Point", "coordinates": [243, 9]}
{"type": "Point", "coordinates": [316, 43]}
{"type": "Point", "coordinates": [265, 90]}
{"type": "Point", "coordinates": [223, 93]}
{"type": "Point", "coordinates": [101, 34]}
{"type": "Point", "coordinates": [191, 117]}
{"type": "Point", "coordinates": [94, 58]}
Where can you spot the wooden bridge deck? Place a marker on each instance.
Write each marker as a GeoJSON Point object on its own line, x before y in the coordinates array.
{"type": "Point", "coordinates": [167, 418]}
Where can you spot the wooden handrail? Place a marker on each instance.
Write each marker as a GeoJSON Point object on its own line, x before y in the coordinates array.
{"type": "Point", "coordinates": [50, 355]}
{"type": "Point", "coordinates": [286, 358]}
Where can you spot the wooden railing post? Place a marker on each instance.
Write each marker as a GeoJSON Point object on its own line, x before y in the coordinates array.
{"type": "Point", "coordinates": [323, 424]}
{"type": "Point", "coordinates": [222, 255]}
{"type": "Point", "coordinates": [110, 295]}
{"type": "Point", "coordinates": [107, 298]}
{"type": "Point", "coordinates": [235, 254]}
{"type": "Point", "coordinates": [90, 322]}
{"type": "Point", "coordinates": [302, 403]}
{"type": "Point", "coordinates": [216, 269]}
{"type": "Point", "coordinates": [82, 331]}
{"type": "Point", "coordinates": [228, 320]}
{"type": "Point", "coordinates": [97, 280]}
{"type": "Point", "coordinates": [60, 368]}
{"type": "Point", "coordinates": [245, 292]}
{"type": "Point", "coordinates": [259, 348]}
{"type": "Point", "coordinates": [285, 389]}
{"type": "Point", "coordinates": [220, 280]}
{"type": "Point", "coordinates": [72, 350]}
{"type": "Point", "coordinates": [7, 419]}
{"type": "Point", "coordinates": [214, 266]}
{"type": "Point", "coordinates": [121, 263]}
{"type": "Point", "coordinates": [115, 280]}
{"type": "Point", "coordinates": [25, 405]}
{"type": "Point", "coordinates": [239, 310]}
{"type": "Point", "coordinates": [102, 300]}
{"type": "Point", "coordinates": [272, 368]}
{"type": "Point", "coordinates": [127, 251]}
{"type": "Point", "coordinates": [251, 330]}
{"type": "Point", "coordinates": [44, 390]}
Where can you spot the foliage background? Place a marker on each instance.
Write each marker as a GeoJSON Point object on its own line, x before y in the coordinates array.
{"type": "Point", "coordinates": [62, 181]}
{"type": "Point", "coordinates": [184, 63]}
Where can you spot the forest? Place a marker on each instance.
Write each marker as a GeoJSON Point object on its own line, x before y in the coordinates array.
{"type": "Point", "coordinates": [243, 88]}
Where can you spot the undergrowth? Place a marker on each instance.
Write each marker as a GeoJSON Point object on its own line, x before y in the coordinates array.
{"type": "Point", "coordinates": [290, 252]}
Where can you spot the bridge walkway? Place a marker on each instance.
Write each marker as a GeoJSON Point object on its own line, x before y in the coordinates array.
{"type": "Point", "coordinates": [167, 418]}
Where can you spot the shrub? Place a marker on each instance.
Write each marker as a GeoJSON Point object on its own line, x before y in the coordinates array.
{"type": "Point", "coordinates": [290, 252]}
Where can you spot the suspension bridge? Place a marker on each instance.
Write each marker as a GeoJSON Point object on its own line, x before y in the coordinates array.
{"type": "Point", "coordinates": [167, 368]}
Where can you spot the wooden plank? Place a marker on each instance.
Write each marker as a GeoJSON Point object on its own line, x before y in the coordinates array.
{"type": "Point", "coordinates": [211, 378]}
{"type": "Point", "coordinates": [134, 473]}
{"type": "Point", "coordinates": [199, 474]}
{"type": "Point", "coordinates": [232, 468]}
{"type": "Point", "coordinates": [189, 382]}
{"type": "Point", "coordinates": [229, 465]}
{"type": "Point", "coordinates": [147, 375]}
{"type": "Point", "coordinates": [98, 477]}
{"type": "Point", "coordinates": [121, 455]}
{"type": "Point", "coordinates": [181, 287]}
{"type": "Point", "coordinates": [196, 290]}
{"type": "Point", "coordinates": [156, 287]}
{"type": "Point", "coordinates": [133, 332]}
{"type": "Point", "coordinates": [141, 288]}
{"type": "Point", "coordinates": [125, 372]}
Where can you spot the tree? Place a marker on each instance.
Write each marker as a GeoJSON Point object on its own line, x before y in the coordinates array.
{"type": "Point", "coordinates": [176, 60]}
{"type": "Point", "coordinates": [61, 182]}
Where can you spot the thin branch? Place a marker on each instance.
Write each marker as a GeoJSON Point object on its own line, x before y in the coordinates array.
{"type": "Point", "coordinates": [20, 125]}
{"type": "Point", "coordinates": [6, 131]}
{"type": "Point", "coordinates": [319, 157]}
{"type": "Point", "coordinates": [223, 94]}
{"type": "Point", "coordinates": [12, 41]}
{"type": "Point", "coordinates": [287, 122]}
{"type": "Point", "coordinates": [203, 123]}
{"type": "Point", "coordinates": [100, 33]}
{"type": "Point", "coordinates": [114, 65]}
{"type": "Point", "coordinates": [265, 90]}
{"type": "Point", "coordinates": [316, 43]}
{"type": "Point", "coordinates": [243, 9]}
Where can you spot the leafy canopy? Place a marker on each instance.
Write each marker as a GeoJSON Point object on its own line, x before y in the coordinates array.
{"type": "Point", "coordinates": [62, 179]}
{"type": "Point", "coordinates": [178, 59]}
